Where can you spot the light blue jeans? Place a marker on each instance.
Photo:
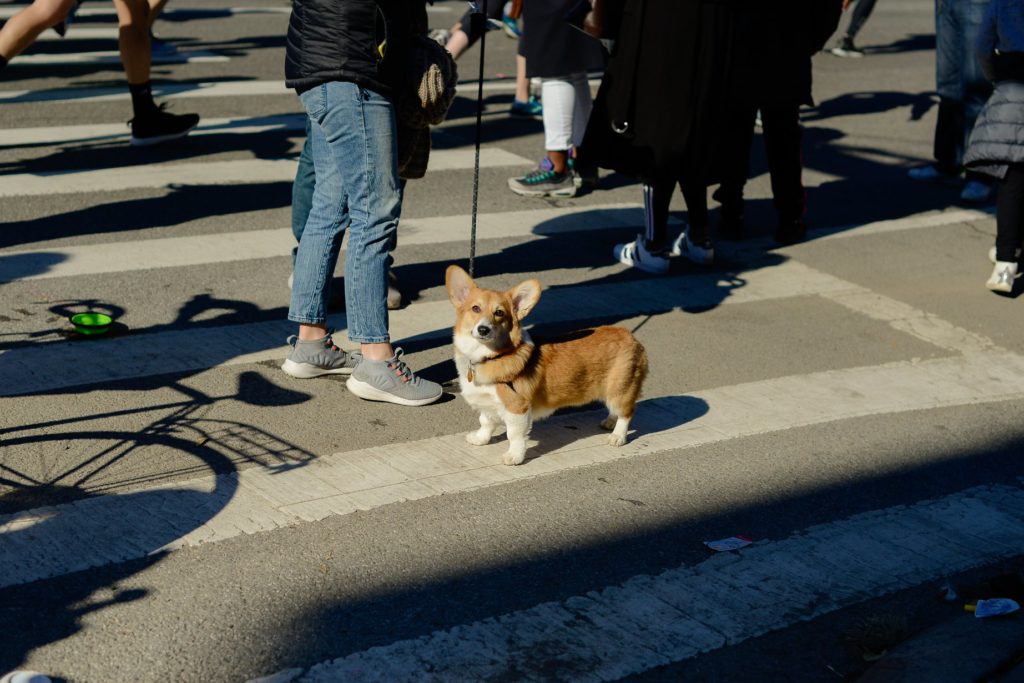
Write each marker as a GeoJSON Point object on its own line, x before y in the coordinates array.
{"type": "Point", "coordinates": [352, 134]}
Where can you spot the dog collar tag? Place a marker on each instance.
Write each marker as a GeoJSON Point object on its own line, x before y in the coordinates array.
{"type": "Point", "coordinates": [469, 375]}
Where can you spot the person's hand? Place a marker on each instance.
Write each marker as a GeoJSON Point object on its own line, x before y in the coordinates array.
{"type": "Point", "coordinates": [593, 23]}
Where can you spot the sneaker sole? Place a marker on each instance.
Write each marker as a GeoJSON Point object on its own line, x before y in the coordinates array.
{"type": "Point", "coordinates": [146, 142]}
{"type": "Point", "coordinates": [839, 52]}
{"type": "Point", "coordinates": [371, 393]}
{"type": "Point", "coordinates": [309, 371]}
{"type": "Point", "coordinates": [567, 192]}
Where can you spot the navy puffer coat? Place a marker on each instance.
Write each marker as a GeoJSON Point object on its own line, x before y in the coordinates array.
{"type": "Point", "coordinates": [998, 136]}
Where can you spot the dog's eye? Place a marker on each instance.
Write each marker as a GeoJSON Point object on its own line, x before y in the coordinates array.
{"type": "Point", "coordinates": [499, 313]}
{"type": "Point", "coordinates": [476, 309]}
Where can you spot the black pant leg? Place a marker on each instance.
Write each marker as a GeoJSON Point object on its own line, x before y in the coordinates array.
{"type": "Point", "coordinates": [783, 137]}
{"type": "Point", "coordinates": [737, 137]}
{"type": "Point", "coordinates": [949, 136]}
{"type": "Point", "coordinates": [1010, 214]}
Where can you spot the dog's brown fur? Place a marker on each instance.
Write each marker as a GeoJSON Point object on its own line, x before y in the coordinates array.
{"type": "Point", "coordinates": [509, 379]}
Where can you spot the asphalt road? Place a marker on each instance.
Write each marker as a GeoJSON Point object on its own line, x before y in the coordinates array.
{"type": "Point", "coordinates": [174, 508]}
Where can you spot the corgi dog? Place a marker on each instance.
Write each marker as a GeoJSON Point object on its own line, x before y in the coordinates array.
{"type": "Point", "coordinates": [510, 380]}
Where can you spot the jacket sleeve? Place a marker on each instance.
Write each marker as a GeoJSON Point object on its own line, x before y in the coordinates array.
{"type": "Point", "coordinates": [986, 44]}
{"type": "Point", "coordinates": [824, 18]}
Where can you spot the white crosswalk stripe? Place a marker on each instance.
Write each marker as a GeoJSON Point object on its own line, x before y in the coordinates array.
{"type": "Point", "coordinates": [623, 629]}
{"type": "Point", "coordinates": [114, 57]}
{"type": "Point", "coordinates": [49, 183]}
{"type": "Point", "coordinates": [129, 526]}
{"type": "Point", "coordinates": [650, 621]}
{"type": "Point", "coordinates": [164, 91]}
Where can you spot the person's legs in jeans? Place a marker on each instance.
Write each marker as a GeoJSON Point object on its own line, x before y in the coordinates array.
{"type": "Point", "coordinates": [949, 59]}
{"type": "Point", "coordinates": [976, 87]}
{"type": "Point", "coordinates": [354, 153]}
{"type": "Point", "coordinates": [302, 189]}
{"type": "Point", "coordinates": [353, 144]}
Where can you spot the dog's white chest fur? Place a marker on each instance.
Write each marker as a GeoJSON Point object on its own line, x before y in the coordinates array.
{"type": "Point", "coordinates": [482, 398]}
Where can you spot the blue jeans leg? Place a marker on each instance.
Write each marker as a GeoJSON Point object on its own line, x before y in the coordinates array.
{"type": "Point", "coordinates": [354, 154]}
{"type": "Point", "coordinates": [962, 87]}
{"type": "Point", "coordinates": [302, 190]}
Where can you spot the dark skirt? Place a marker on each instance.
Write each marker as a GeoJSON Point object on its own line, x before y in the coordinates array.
{"type": "Point", "coordinates": [551, 46]}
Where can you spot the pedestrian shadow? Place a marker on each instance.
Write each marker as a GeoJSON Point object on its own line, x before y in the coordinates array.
{"type": "Point", "coordinates": [277, 144]}
{"type": "Point", "coordinates": [19, 266]}
{"type": "Point", "coordinates": [916, 42]}
{"type": "Point", "coordinates": [177, 205]}
{"type": "Point", "coordinates": [871, 102]}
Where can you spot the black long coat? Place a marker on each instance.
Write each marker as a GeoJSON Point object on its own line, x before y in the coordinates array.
{"type": "Point", "coordinates": [678, 63]}
{"type": "Point", "coordinates": [657, 111]}
{"type": "Point", "coordinates": [774, 41]}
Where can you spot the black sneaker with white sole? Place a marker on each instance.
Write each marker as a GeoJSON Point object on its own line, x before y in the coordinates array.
{"type": "Point", "coordinates": [159, 126]}
{"type": "Point", "coordinates": [846, 48]}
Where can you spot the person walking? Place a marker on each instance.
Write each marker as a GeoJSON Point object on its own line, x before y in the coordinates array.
{"type": "Point", "coordinates": [996, 145]}
{"type": "Point", "coordinates": [560, 56]}
{"type": "Point", "coordinates": [150, 124]}
{"type": "Point", "coordinates": [963, 90]}
{"type": "Point", "coordinates": [846, 47]}
{"type": "Point", "coordinates": [346, 76]}
{"type": "Point", "coordinates": [657, 115]}
{"type": "Point", "coordinates": [772, 74]}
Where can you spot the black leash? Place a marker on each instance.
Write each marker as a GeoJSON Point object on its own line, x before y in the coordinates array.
{"type": "Point", "coordinates": [478, 22]}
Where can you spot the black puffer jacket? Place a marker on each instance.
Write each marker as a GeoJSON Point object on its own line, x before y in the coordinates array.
{"type": "Point", "coordinates": [360, 41]}
{"type": "Point", "coordinates": [997, 139]}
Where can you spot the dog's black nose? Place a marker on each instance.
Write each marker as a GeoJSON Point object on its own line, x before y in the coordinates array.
{"type": "Point", "coordinates": [483, 330]}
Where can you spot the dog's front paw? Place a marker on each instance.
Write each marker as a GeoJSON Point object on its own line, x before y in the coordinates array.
{"type": "Point", "coordinates": [478, 439]}
{"type": "Point", "coordinates": [609, 423]}
{"type": "Point", "coordinates": [513, 458]}
{"type": "Point", "coordinates": [616, 440]}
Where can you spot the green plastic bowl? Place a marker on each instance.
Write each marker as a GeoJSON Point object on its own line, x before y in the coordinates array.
{"type": "Point", "coordinates": [91, 323]}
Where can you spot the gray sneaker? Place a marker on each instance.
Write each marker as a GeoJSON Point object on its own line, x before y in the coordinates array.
{"type": "Point", "coordinates": [309, 359]}
{"type": "Point", "coordinates": [391, 381]}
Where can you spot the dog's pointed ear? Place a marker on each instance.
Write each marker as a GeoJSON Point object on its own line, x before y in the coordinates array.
{"type": "Point", "coordinates": [524, 297]}
{"type": "Point", "coordinates": [458, 283]}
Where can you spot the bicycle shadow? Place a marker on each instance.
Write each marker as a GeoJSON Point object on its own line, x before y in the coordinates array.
{"type": "Point", "coordinates": [53, 525]}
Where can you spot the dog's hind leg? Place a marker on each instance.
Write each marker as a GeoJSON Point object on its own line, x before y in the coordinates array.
{"type": "Point", "coordinates": [618, 421]}
{"type": "Point", "coordinates": [483, 435]}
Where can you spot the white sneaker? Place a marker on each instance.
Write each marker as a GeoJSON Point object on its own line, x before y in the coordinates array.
{"type": "Point", "coordinates": [975, 192]}
{"type": "Point", "coordinates": [992, 254]}
{"type": "Point", "coordinates": [703, 254]}
{"type": "Point", "coordinates": [1003, 276]}
{"type": "Point", "coordinates": [634, 254]}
